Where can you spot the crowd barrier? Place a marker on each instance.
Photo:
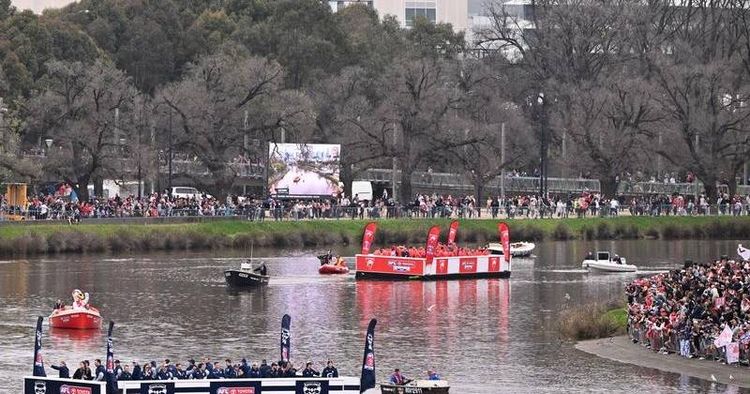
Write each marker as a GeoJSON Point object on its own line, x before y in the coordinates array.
{"type": "Point", "coordinates": [279, 213]}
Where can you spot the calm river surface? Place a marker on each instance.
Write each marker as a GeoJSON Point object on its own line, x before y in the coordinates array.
{"type": "Point", "coordinates": [484, 336]}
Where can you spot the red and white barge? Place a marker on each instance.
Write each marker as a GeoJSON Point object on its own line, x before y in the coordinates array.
{"type": "Point", "coordinates": [496, 264]}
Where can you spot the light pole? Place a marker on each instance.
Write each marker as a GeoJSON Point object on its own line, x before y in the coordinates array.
{"type": "Point", "coordinates": [542, 145]}
{"type": "Point", "coordinates": [48, 142]}
{"type": "Point", "coordinates": [502, 160]}
{"type": "Point", "coordinates": [169, 158]}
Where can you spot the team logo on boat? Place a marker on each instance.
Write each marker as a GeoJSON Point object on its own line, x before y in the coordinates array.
{"type": "Point", "coordinates": [157, 389]}
{"type": "Point", "coordinates": [40, 388]}
{"type": "Point", "coordinates": [312, 388]}
{"type": "Point", "coordinates": [370, 263]}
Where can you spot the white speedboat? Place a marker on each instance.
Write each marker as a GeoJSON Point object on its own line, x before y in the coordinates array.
{"type": "Point", "coordinates": [521, 249]}
{"type": "Point", "coordinates": [604, 261]}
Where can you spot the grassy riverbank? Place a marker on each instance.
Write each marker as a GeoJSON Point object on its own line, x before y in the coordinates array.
{"type": "Point", "coordinates": [46, 237]}
{"type": "Point", "coordinates": [593, 321]}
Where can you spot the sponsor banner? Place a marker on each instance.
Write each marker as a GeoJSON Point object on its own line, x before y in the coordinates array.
{"type": "Point", "coordinates": [312, 387]}
{"type": "Point", "coordinates": [368, 237]}
{"type": "Point", "coordinates": [157, 388]}
{"type": "Point", "coordinates": [467, 265]}
{"type": "Point", "coordinates": [235, 387]}
{"type": "Point", "coordinates": [390, 265]}
{"type": "Point", "coordinates": [61, 386]}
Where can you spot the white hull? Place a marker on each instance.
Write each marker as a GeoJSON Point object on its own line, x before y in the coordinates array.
{"type": "Point", "coordinates": [521, 249]}
{"type": "Point", "coordinates": [605, 266]}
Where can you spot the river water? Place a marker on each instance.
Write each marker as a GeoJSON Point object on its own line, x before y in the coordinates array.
{"type": "Point", "coordinates": [484, 336]}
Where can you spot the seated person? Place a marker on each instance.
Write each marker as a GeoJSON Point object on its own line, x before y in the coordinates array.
{"type": "Point", "coordinates": [397, 378]}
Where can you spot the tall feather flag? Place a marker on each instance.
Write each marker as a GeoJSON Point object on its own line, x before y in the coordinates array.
{"type": "Point", "coordinates": [38, 359]}
{"type": "Point", "coordinates": [367, 380]}
{"type": "Point", "coordinates": [452, 232]}
{"type": "Point", "coordinates": [286, 340]}
{"type": "Point", "coordinates": [109, 372]}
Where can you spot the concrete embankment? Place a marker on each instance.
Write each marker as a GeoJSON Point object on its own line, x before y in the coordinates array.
{"type": "Point", "coordinates": [623, 350]}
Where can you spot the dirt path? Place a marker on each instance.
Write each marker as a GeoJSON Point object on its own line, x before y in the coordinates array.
{"type": "Point", "coordinates": [623, 350]}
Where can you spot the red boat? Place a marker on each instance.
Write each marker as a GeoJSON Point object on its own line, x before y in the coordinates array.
{"type": "Point", "coordinates": [330, 269]}
{"type": "Point", "coordinates": [84, 319]}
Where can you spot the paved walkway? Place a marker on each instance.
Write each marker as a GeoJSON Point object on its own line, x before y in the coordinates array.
{"type": "Point", "coordinates": [623, 350]}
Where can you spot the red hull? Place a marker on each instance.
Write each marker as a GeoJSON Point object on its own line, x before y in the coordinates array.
{"type": "Point", "coordinates": [79, 320]}
{"type": "Point", "coordinates": [329, 269]}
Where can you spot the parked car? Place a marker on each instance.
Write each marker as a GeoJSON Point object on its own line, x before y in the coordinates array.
{"type": "Point", "coordinates": [185, 192]}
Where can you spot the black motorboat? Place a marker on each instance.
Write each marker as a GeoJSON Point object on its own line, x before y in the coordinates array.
{"type": "Point", "coordinates": [246, 276]}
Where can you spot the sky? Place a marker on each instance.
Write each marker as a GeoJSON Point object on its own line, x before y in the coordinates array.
{"type": "Point", "coordinates": [38, 5]}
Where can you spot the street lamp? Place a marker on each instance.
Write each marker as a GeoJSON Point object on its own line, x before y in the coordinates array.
{"type": "Point", "coordinates": [48, 142]}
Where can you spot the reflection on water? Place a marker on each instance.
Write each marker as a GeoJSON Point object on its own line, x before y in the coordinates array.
{"type": "Point", "coordinates": [485, 336]}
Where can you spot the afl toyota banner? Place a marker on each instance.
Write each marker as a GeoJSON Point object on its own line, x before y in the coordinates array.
{"type": "Point", "coordinates": [61, 386]}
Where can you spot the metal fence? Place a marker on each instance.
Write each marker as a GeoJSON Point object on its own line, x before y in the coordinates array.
{"type": "Point", "coordinates": [281, 213]}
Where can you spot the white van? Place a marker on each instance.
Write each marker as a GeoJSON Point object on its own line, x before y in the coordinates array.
{"type": "Point", "coordinates": [362, 189]}
{"type": "Point", "coordinates": [185, 192]}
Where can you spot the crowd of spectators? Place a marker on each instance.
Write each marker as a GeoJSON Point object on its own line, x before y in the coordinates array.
{"type": "Point", "coordinates": [685, 311]}
{"type": "Point", "coordinates": [64, 204]}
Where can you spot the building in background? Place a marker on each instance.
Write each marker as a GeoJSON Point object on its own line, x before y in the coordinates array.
{"type": "Point", "coordinates": [454, 12]}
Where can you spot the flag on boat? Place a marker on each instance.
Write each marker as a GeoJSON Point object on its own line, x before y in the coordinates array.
{"type": "Point", "coordinates": [452, 232]}
{"type": "Point", "coordinates": [368, 237]}
{"type": "Point", "coordinates": [109, 374]}
{"type": "Point", "coordinates": [38, 359]}
{"type": "Point", "coordinates": [433, 236]}
{"type": "Point", "coordinates": [367, 380]}
{"type": "Point", "coordinates": [286, 322]}
{"type": "Point", "coordinates": [725, 338]}
{"type": "Point", "coordinates": [744, 253]}
{"type": "Point", "coordinates": [733, 353]}
{"type": "Point", "coordinates": [504, 232]}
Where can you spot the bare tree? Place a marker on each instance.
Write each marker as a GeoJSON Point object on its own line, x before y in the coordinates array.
{"type": "Point", "coordinates": [84, 109]}
{"type": "Point", "coordinates": [210, 105]}
{"type": "Point", "coordinates": [412, 116]}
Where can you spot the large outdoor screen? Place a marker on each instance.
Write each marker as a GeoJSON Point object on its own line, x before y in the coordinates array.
{"type": "Point", "coordinates": [304, 169]}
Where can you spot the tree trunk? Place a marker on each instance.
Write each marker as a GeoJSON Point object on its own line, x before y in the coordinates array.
{"type": "Point", "coordinates": [478, 191]}
{"type": "Point", "coordinates": [404, 189]}
{"type": "Point", "coordinates": [609, 186]}
{"type": "Point", "coordinates": [346, 178]}
{"type": "Point", "coordinates": [709, 185]}
{"type": "Point", "coordinates": [98, 187]}
{"type": "Point", "coordinates": [82, 187]}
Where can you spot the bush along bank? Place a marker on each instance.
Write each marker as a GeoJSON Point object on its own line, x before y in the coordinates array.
{"type": "Point", "coordinates": [91, 237]}
{"type": "Point", "coordinates": [594, 321]}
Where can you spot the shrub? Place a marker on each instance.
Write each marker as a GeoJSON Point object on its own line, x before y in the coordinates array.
{"type": "Point", "coordinates": [592, 321]}
{"type": "Point", "coordinates": [562, 232]}
{"type": "Point", "coordinates": [652, 233]}
{"type": "Point", "coordinates": [603, 231]}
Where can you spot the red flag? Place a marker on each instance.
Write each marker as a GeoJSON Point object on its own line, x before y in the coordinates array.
{"type": "Point", "coordinates": [452, 232]}
{"type": "Point", "coordinates": [368, 237]}
{"type": "Point", "coordinates": [432, 241]}
{"type": "Point", "coordinates": [504, 231]}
